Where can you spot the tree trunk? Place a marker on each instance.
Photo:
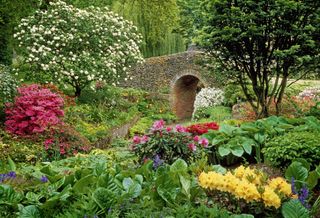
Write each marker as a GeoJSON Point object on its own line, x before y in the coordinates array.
{"type": "Point", "coordinates": [77, 91]}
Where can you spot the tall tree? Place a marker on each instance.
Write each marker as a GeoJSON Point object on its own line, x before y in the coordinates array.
{"type": "Point", "coordinates": [156, 20]}
{"type": "Point", "coordinates": [261, 41]}
{"type": "Point", "coordinates": [11, 11]}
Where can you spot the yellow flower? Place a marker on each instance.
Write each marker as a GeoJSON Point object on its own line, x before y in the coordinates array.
{"type": "Point", "coordinates": [239, 172]}
{"type": "Point", "coordinates": [270, 198]}
{"type": "Point", "coordinates": [247, 191]}
{"type": "Point", "coordinates": [281, 185]}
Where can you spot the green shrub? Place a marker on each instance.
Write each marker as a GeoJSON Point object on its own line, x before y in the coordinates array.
{"type": "Point", "coordinates": [281, 150]}
{"type": "Point", "coordinates": [217, 114]}
{"type": "Point", "coordinates": [233, 94]}
{"type": "Point", "coordinates": [141, 126]}
{"type": "Point", "coordinates": [8, 85]}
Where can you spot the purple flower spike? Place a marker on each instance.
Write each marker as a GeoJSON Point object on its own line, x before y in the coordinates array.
{"type": "Point", "coordinates": [157, 161]}
{"type": "Point", "coordinates": [44, 179]}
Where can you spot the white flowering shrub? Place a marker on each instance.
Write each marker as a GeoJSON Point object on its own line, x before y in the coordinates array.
{"type": "Point", "coordinates": [208, 97]}
{"type": "Point", "coordinates": [75, 46]}
{"type": "Point", "coordinates": [8, 85]}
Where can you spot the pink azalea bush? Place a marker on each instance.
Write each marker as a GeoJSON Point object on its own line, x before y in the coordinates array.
{"type": "Point", "coordinates": [34, 110]}
{"type": "Point", "coordinates": [166, 144]}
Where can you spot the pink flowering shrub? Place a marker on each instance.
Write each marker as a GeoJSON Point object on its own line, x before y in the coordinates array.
{"type": "Point", "coordinates": [34, 110]}
{"type": "Point", "coordinates": [167, 144]}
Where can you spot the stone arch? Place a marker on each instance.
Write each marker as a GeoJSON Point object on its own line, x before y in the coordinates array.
{"type": "Point", "coordinates": [184, 88]}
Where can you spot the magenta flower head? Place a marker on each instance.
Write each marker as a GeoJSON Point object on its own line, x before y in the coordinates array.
{"type": "Point", "coordinates": [204, 142]}
{"type": "Point", "coordinates": [158, 125]}
{"type": "Point", "coordinates": [196, 138]}
{"type": "Point", "coordinates": [168, 129]}
{"type": "Point", "coordinates": [180, 128]}
{"type": "Point", "coordinates": [192, 147]}
{"type": "Point", "coordinates": [144, 139]}
{"type": "Point", "coordinates": [136, 140]}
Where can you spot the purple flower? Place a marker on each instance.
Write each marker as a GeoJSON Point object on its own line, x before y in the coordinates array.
{"type": "Point", "coordinates": [157, 161]}
{"type": "Point", "coordinates": [44, 179]}
{"type": "Point", "coordinates": [303, 196]}
{"type": "Point", "coordinates": [5, 176]}
{"type": "Point", "coordinates": [293, 188]}
{"type": "Point", "coordinates": [12, 174]}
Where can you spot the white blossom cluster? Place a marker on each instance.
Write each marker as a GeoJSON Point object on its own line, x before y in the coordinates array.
{"type": "Point", "coordinates": [312, 93]}
{"type": "Point", "coordinates": [8, 85]}
{"type": "Point", "coordinates": [208, 97]}
{"type": "Point", "coordinates": [78, 46]}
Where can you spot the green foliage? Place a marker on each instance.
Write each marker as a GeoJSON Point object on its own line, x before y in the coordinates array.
{"type": "Point", "coordinates": [300, 170]}
{"type": "Point", "coordinates": [217, 114]}
{"type": "Point", "coordinates": [294, 209]}
{"type": "Point", "coordinates": [232, 141]}
{"type": "Point", "coordinates": [247, 40]}
{"type": "Point", "coordinates": [281, 150]}
{"type": "Point", "coordinates": [156, 21]}
{"type": "Point", "coordinates": [10, 14]}
{"type": "Point", "coordinates": [234, 94]}
{"type": "Point", "coordinates": [8, 85]}
{"type": "Point", "coordinates": [20, 150]}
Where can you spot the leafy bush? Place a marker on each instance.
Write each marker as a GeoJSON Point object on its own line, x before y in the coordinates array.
{"type": "Point", "coordinates": [8, 85]}
{"type": "Point", "coordinates": [234, 94]}
{"type": "Point", "coordinates": [34, 110]}
{"type": "Point", "coordinates": [59, 45]}
{"type": "Point", "coordinates": [166, 144]}
{"type": "Point", "coordinates": [281, 150]}
{"type": "Point", "coordinates": [64, 142]}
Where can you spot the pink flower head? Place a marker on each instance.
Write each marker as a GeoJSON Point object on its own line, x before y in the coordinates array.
{"type": "Point", "coordinates": [204, 142]}
{"type": "Point", "coordinates": [158, 125]}
{"type": "Point", "coordinates": [192, 147]}
{"type": "Point", "coordinates": [168, 129]}
{"type": "Point", "coordinates": [62, 151]}
{"type": "Point", "coordinates": [180, 128]}
{"type": "Point", "coordinates": [47, 143]}
{"type": "Point", "coordinates": [144, 139]}
{"type": "Point", "coordinates": [136, 140]}
{"type": "Point", "coordinates": [196, 138]}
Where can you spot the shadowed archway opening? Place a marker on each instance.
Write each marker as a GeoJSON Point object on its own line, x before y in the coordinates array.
{"type": "Point", "coordinates": [184, 93]}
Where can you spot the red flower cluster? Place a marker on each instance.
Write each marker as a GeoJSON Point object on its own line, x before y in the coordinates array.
{"type": "Point", "coordinates": [35, 110]}
{"type": "Point", "coordinates": [202, 128]}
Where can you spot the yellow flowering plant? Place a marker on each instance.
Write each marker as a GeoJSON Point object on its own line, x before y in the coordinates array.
{"type": "Point", "coordinates": [249, 185]}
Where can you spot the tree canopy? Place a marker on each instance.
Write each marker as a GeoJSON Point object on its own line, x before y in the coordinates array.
{"type": "Point", "coordinates": [260, 41]}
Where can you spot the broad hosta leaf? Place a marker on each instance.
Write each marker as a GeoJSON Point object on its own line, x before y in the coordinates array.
{"type": "Point", "coordinates": [185, 183]}
{"type": "Point", "coordinates": [81, 185]}
{"type": "Point", "coordinates": [223, 151]}
{"type": "Point", "coordinates": [312, 179]}
{"type": "Point", "coordinates": [247, 145]}
{"type": "Point", "coordinates": [179, 166]}
{"type": "Point", "coordinates": [294, 209]}
{"type": "Point", "coordinates": [30, 211]}
{"type": "Point", "coordinates": [237, 151]}
{"type": "Point", "coordinates": [297, 171]}
{"type": "Point", "coordinates": [219, 169]}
